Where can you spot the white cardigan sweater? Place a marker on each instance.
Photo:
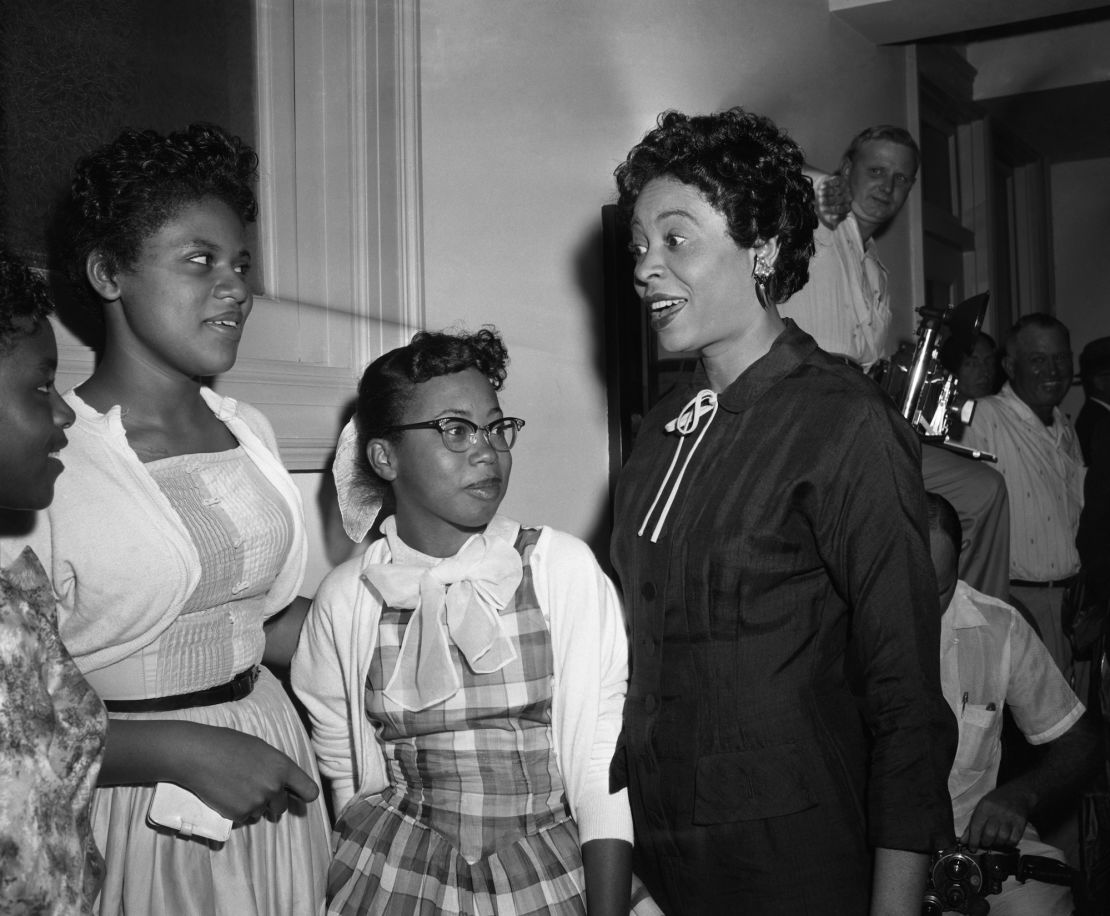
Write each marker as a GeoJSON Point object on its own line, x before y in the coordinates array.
{"type": "Point", "coordinates": [590, 652]}
{"type": "Point", "coordinates": [121, 560]}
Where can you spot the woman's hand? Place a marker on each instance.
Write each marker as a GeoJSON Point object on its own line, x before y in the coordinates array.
{"type": "Point", "coordinates": [244, 778]}
{"type": "Point", "coordinates": [241, 776]}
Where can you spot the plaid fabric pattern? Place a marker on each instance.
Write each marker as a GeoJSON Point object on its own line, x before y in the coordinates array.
{"type": "Point", "coordinates": [389, 863]}
{"type": "Point", "coordinates": [475, 820]}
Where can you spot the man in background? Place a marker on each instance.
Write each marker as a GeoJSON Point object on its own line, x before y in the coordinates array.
{"type": "Point", "coordinates": [1093, 423]}
{"type": "Point", "coordinates": [1092, 426]}
{"type": "Point", "coordinates": [991, 658]}
{"type": "Point", "coordinates": [845, 306]}
{"type": "Point", "coordinates": [1039, 457]}
{"type": "Point", "coordinates": [1092, 541]}
{"type": "Point", "coordinates": [978, 372]}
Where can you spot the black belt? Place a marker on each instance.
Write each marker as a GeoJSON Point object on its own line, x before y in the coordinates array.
{"type": "Point", "coordinates": [235, 689]}
{"type": "Point", "coordinates": [1051, 583]}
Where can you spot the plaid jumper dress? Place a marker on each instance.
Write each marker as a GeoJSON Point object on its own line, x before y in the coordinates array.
{"type": "Point", "coordinates": [475, 819]}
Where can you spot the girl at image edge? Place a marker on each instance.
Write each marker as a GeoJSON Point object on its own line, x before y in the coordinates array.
{"type": "Point", "coordinates": [176, 543]}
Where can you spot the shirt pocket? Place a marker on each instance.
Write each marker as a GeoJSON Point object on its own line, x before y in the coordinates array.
{"type": "Point", "coordinates": [980, 727]}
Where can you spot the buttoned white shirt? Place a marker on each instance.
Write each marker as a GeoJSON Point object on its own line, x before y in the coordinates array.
{"type": "Point", "coordinates": [990, 658]}
{"type": "Point", "coordinates": [1043, 469]}
{"type": "Point", "coordinates": [845, 306]}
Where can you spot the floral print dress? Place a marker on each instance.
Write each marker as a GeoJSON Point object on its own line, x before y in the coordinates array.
{"type": "Point", "coordinates": [52, 728]}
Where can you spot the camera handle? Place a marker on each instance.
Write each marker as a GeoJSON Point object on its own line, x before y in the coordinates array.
{"type": "Point", "coordinates": [1046, 870]}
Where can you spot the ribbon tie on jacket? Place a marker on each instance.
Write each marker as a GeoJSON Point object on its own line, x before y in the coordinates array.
{"type": "Point", "coordinates": [457, 599]}
{"type": "Point", "coordinates": [687, 422]}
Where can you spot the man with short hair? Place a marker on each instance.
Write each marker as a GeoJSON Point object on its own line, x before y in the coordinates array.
{"type": "Point", "coordinates": [977, 375]}
{"type": "Point", "coordinates": [1039, 457]}
{"type": "Point", "coordinates": [845, 306]}
{"type": "Point", "coordinates": [991, 658]}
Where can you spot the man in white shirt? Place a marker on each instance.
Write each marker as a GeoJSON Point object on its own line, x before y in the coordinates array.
{"type": "Point", "coordinates": [991, 658]}
{"type": "Point", "coordinates": [845, 307]}
{"type": "Point", "coordinates": [1039, 457]}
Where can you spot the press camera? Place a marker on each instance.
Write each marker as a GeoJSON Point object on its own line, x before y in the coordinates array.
{"type": "Point", "coordinates": [921, 380]}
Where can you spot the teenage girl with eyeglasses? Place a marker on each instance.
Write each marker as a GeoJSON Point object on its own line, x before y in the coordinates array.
{"type": "Point", "coordinates": [465, 677]}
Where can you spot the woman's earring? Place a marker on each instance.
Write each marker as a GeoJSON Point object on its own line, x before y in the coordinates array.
{"type": "Point", "coordinates": [761, 273]}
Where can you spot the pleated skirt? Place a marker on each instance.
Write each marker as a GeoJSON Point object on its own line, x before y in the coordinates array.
{"type": "Point", "coordinates": [387, 863]}
{"type": "Point", "coordinates": [264, 869]}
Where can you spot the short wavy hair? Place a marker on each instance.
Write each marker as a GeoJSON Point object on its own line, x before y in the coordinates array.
{"type": "Point", "coordinates": [746, 169]}
{"type": "Point", "coordinates": [126, 191]}
{"type": "Point", "coordinates": [25, 302]}
{"type": "Point", "coordinates": [889, 132]}
{"type": "Point", "coordinates": [1043, 320]}
{"type": "Point", "coordinates": [387, 383]}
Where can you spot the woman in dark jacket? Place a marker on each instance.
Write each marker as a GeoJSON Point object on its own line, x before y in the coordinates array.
{"type": "Point", "coordinates": [771, 544]}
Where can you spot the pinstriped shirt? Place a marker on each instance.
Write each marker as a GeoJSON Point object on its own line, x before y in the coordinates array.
{"type": "Point", "coordinates": [1044, 472]}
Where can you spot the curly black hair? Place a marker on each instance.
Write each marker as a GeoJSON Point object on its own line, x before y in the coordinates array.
{"type": "Point", "coordinates": [124, 192]}
{"type": "Point", "coordinates": [24, 301]}
{"type": "Point", "coordinates": [387, 383]}
{"type": "Point", "coordinates": [746, 169]}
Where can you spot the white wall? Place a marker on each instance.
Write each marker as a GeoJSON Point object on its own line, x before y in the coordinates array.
{"type": "Point", "coordinates": [1081, 237]}
{"type": "Point", "coordinates": [527, 108]}
{"type": "Point", "coordinates": [327, 546]}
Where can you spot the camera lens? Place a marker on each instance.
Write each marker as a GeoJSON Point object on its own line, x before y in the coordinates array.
{"type": "Point", "coordinates": [957, 868]}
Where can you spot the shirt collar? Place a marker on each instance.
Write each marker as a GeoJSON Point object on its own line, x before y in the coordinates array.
{"type": "Point", "coordinates": [867, 249]}
{"type": "Point", "coordinates": [788, 351]}
{"type": "Point", "coordinates": [221, 405]}
{"type": "Point", "coordinates": [962, 613]}
{"type": "Point", "coordinates": [1019, 406]}
{"type": "Point", "coordinates": [383, 549]}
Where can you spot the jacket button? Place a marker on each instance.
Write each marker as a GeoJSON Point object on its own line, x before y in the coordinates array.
{"type": "Point", "coordinates": [647, 590]}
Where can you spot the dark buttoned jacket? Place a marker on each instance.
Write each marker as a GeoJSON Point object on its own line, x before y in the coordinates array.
{"type": "Point", "coordinates": [1092, 426]}
{"type": "Point", "coordinates": [784, 622]}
